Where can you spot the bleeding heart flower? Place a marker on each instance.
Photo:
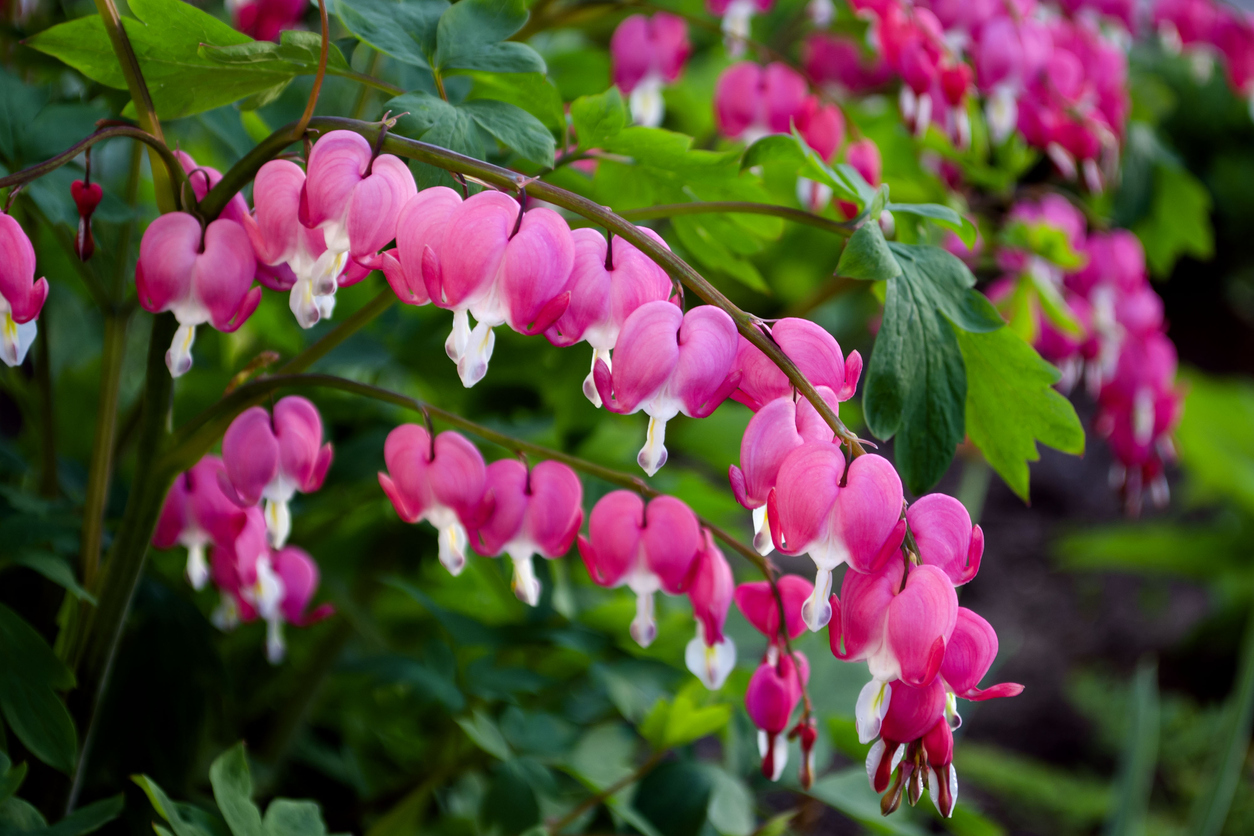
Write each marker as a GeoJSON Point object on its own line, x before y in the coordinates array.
{"type": "Point", "coordinates": [648, 52]}
{"type": "Point", "coordinates": [772, 696]}
{"type": "Point", "coordinates": [834, 516]}
{"type": "Point", "coordinates": [421, 224]}
{"type": "Point", "coordinates": [814, 351]}
{"type": "Point", "coordinates": [756, 602]}
{"type": "Point", "coordinates": [21, 297]}
{"type": "Point", "coordinates": [711, 655]}
{"type": "Point", "coordinates": [503, 266]}
{"type": "Point", "coordinates": [87, 197]}
{"type": "Point", "coordinates": [233, 569]}
{"type": "Point", "coordinates": [442, 482]}
{"type": "Point", "coordinates": [532, 512]}
{"type": "Point", "coordinates": [197, 514]}
{"type": "Point", "coordinates": [286, 582]}
{"type": "Point", "coordinates": [945, 537]}
{"type": "Point", "coordinates": [607, 283]}
{"type": "Point", "coordinates": [751, 101]}
{"type": "Point", "coordinates": [667, 362]}
{"type": "Point", "coordinates": [646, 548]}
{"type": "Point", "coordinates": [272, 459]}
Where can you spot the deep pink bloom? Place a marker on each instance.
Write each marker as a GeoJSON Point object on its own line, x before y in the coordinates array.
{"type": "Point", "coordinates": [645, 548]}
{"type": "Point", "coordinates": [751, 101]}
{"type": "Point", "coordinates": [273, 458]}
{"type": "Point", "coordinates": [840, 62]}
{"type": "Point", "coordinates": [822, 127]}
{"type": "Point", "coordinates": [667, 362]}
{"type": "Point", "coordinates": [441, 482]}
{"type": "Point", "coordinates": [199, 275]}
{"type": "Point", "coordinates": [233, 567]}
{"type": "Point", "coordinates": [778, 428]}
{"type": "Point", "coordinates": [197, 514]}
{"type": "Point", "coordinates": [864, 156]}
{"type": "Point", "coordinates": [969, 654]}
{"type": "Point", "coordinates": [772, 696]}
{"type": "Point", "coordinates": [606, 285]}
{"type": "Point", "coordinates": [834, 516]}
{"type": "Point", "coordinates": [912, 714]}
{"type": "Point", "coordinates": [286, 580]}
{"type": "Point", "coordinates": [354, 196]}
{"type": "Point", "coordinates": [648, 52]}
{"type": "Point", "coordinates": [264, 20]}
{"type": "Point", "coordinates": [421, 224]}
{"type": "Point", "coordinates": [946, 539]}
{"type": "Point", "coordinates": [532, 512]}
{"type": "Point", "coordinates": [756, 602]}
{"type": "Point", "coordinates": [502, 267]}
{"type": "Point", "coordinates": [1182, 23]}
{"type": "Point", "coordinates": [814, 351]}
{"type": "Point", "coordinates": [21, 296]}
{"type": "Point", "coordinates": [711, 655]}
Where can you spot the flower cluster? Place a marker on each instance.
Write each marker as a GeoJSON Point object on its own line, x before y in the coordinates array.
{"type": "Point", "coordinates": [1207, 31]}
{"type": "Point", "coordinates": [213, 511]}
{"type": "Point", "coordinates": [1098, 318]}
{"type": "Point", "coordinates": [648, 53]}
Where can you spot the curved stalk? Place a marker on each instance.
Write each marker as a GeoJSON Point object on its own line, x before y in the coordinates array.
{"type": "Point", "coordinates": [299, 130]}
{"type": "Point", "coordinates": [750, 327]}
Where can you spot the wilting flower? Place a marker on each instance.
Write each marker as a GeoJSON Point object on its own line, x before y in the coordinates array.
{"type": "Point", "coordinates": [648, 52]}
{"type": "Point", "coordinates": [197, 514]}
{"type": "Point", "coordinates": [21, 297]}
{"type": "Point", "coordinates": [711, 655]}
{"type": "Point", "coordinates": [646, 548]}
{"type": "Point", "coordinates": [835, 517]}
{"type": "Point", "coordinates": [667, 362]}
{"type": "Point", "coordinates": [273, 458]}
{"type": "Point", "coordinates": [440, 481]}
{"type": "Point", "coordinates": [532, 512]}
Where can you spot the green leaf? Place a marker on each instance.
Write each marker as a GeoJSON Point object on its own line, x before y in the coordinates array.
{"type": "Point", "coordinates": [670, 724]}
{"type": "Point", "coordinates": [297, 53]}
{"type": "Point", "coordinates": [20, 103]}
{"type": "Point", "coordinates": [434, 120]}
{"type": "Point", "coordinates": [87, 819]}
{"type": "Point", "coordinates": [285, 817]}
{"type": "Point", "coordinates": [695, 235]}
{"type": "Point", "coordinates": [55, 568]}
{"type": "Point", "coordinates": [1140, 755]}
{"type": "Point", "coordinates": [598, 118]}
{"type": "Point", "coordinates": [792, 151]}
{"type": "Point", "coordinates": [1216, 445]}
{"type": "Point", "coordinates": [1178, 222]}
{"type": "Point", "coordinates": [406, 30]}
{"type": "Point", "coordinates": [480, 728]}
{"type": "Point", "coordinates": [675, 798]}
{"type": "Point", "coordinates": [941, 215]}
{"type": "Point", "coordinates": [1045, 240]}
{"type": "Point", "coordinates": [1011, 404]}
{"type": "Point", "coordinates": [11, 780]}
{"type": "Point", "coordinates": [866, 256]}
{"type": "Point", "coordinates": [916, 385]}
{"type": "Point", "coordinates": [166, 808]}
{"type": "Point", "coordinates": [848, 792]}
{"type": "Point", "coordinates": [470, 35]}
{"type": "Point", "coordinates": [29, 678]}
{"type": "Point", "coordinates": [731, 803]}
{"type": "Point", "coordinates": [515, 128]}
{"type": "Point", "coordinates": [531, 91]}
{"type": "Point", "coordinates": [233, 790]}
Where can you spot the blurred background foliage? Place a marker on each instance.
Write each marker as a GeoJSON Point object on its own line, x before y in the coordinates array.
{"type": "Point", "coordinates": [444, 706]}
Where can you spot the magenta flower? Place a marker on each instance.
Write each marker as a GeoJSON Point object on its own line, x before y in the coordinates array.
{"type": "Point", "coordinates": [286, 582]}
{"type": "Point", "coordinates": [914, 712]}
{"type": "Point", "coordinates": [201, 275]}
{"type": "Point", "coordinates": [197, 514]}
{"type": "Point", "coordinates": [441, 482]}
{"type": "Point", "coordinates": [421, 224]}
{"type": "Point", "coordinates": [532, 512]}
{"type": "Point", "coordinates": [353, 196]}
{"type": "Point", "coordinates": [945, 537]}
{"type": "Point", "coordinates": [645, 548]}
{"type": "Point", "coordinates": [273, 458]}
{"type": "Point", "coordinates": [969, 654]}
{"type": "Point", "coordinates": [823, 129]}
{"type": "Point", "coordinates": [607, 283]}
{"type": "Point", "coordinates": [667, 362]}
{"type": "Point", "coordinates": [265, 20]}
{"type": "Point", "coordinates": [503, 266]}
{"type": "Point", "coordinates": [815, 352]}
{"type": "Point", "coordinates": [756, 602]}
{"type": "Point", "coordinates": [279, 238]}
{"type": "Point", "coordinates": [855, 521]}
{"type": "Point", "coordinates": [751, 101]}
{"type": "Point", "coordinates": [838, 62]}
{"type": "Point", "coordinates": [711, 655]}
{"type": "Point", "coordinates": [233, 569]}
{"type": "Point", "coordinates": [21, 296]}
{"type": "Point", "coordinates": [778, 428]}
{"type": "Point", "coordinates": [648, 52]}
{"type": "Point", "coordinates": [772, 696]}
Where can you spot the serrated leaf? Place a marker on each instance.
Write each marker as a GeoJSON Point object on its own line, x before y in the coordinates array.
{"type": "Point", "coordinates": [598, 118]}
{"type": "Point", "coordinates": [406, 31]}
{"type": "Point", "coordinates": [866, 256]}
{"type": "Point", "coordinates": [1178, 223]}
{"type": "Point", "coordinates": [434, 120]}
{"type": "Point", "coordinates": [29, 678]}
{"type": "Point", "coordinates": [515, 128]}
{"type": "Point", "coordinates": [1011, 404]}
{"type": "Point", "coordinates": [531, 91]}
{"type": "Point", "coordinates": [916, 384]}
{"type": "Point", "coordinates": [471, 35]}
{"type": "Point", "coordinates": [941, 215]}
{"type": "Point", "coordinates": [233, 790]}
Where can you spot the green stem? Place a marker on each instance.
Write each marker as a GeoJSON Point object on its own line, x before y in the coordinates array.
{"type": "Point", "coordinates": [597, 798]}
{"type": "Point", "coordinates": [167, 195]}
{"type": "Point", "coordinates": [47, 414]}
{"type": "Point", "coordinates": [220, 414]}
{"type": "Point", "coordinates": [670, 210]}
{"type": "Point", "coordinates": [750, 327]}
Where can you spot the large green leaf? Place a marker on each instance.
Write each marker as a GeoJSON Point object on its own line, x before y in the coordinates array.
{"type": "Point", "coordinates": [285, 817]}
{"type": "Point", "coordinates": [916, 386]}
{"type": "Point", "coordinates": [233, 790]}
{"type": "Point", "coordinates": [597, 119]}
{"type": "Point", "coordinates": [406, 30]}
{"type": "Point", "coordinates": [297, 53]}
{"type": "Point", "coordinates": [30, 676]}
{"type": "Point", "coordinates": [1011, 403]}
{"type": "Point", "coordinates": [166, 35]}
{"type": "Point", "coordinates": [683, 720]}
{"type": "Point", "coordinates": [1178, 222]}
{"type": "Point", "coordinates": [866, 256]}
{"type": "Point", "coordinates": [1215, 439]}
{"type": "Point", "coordinates": [471, 36]}
{"type": "Point", "coordinates": [515, 128]}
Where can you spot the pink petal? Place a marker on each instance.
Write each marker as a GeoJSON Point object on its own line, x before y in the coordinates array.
{"type": "Point", "coordinates": [645, 355]}
{"type": "Point", "coordinates": [407, 454]}
{"type": "Point", "coordinates": [864, 601]}
{"type": "Point", "coordinates": [589, 286]}
{"type": "Point", "coordinates": [772, 695]}
{"type": "Point", "coordinates": [167, 258]}
{"type": "Point", "coordinates": [299, 574]}
{"type": "Point", "coordinates": [336, 165]}
{"type": "Point", "coordinates": [737, 98]}
{"type": "Point", "coordinates": [913, 711]}
{"type": "Point", "coordinates": [458, 476]}
{"type": "Point", "coordinates": [506, 483]}
{"type": "Point", "coordinates": [554, 509]}
{"type": "Point", "coordinates": [251, 454]}
{"type": "Point", "coordinates": [805, 495]}
{"type": "Point", "coordinates": [614, 533]}
{"type": "Point", "coordinates": [946, 539]}
{"type": "Point", "coordinates": [473, 247]}
{"type": "Point", "coordinates": [920, 620]}
{"type": "Point", "coordinates": [969, 654]}
{"type": "Point", "coordinates": [298, 426]}
{"type": "Point", "coordinates": [771, 435]}
{"type": "Point", "coordinates": [17, 272]}
{"type": "Point", "coordinates": [868, 511]}
{"type": "Point", "coordinates": [707, 351]}
{"type": "Point", "coordinates": [711, 591]}
{"type": "Point", "coordinates": [538, 262]}
{"type": "Point", "coordinates": [814, 351]}
{"type": "Point", "coordinates": [631, 52]}
{"type": "Point", "coordinates": [637, 279]}
{"type": "Point", "coordinates": [376, 203]}
{"type": "Point", "coordinates": [223, 274]}
{"type": "Point", "coordinates": [173, 517]}
{"type": "Point", "coordinates": [421, 223]}
{"type": "Point", "coordinates": [671, 541]}
{"type": "Point", "coordinates": [757, 604]}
